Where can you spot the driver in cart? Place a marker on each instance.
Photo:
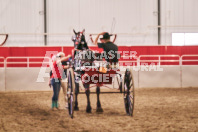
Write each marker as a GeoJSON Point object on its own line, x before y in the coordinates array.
{"type": "Point", "coordinates": [110, 53]}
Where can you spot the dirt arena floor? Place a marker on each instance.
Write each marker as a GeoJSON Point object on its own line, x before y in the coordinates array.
{"type": "Point", "coordinates": [155, 110]}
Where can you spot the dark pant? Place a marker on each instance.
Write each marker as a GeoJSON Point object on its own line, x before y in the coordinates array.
{"type": "Point", "coordinates": [56, 88]}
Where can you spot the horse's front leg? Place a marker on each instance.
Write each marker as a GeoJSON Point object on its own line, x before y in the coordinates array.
{"type": "Point", "coordinates": [87, 92]}
{"type": "Point", "coordinates": [76, 108]}
{"type": "Point", "coordinates": [77, 78]}
{"type": "Point", "coordinates": [99, 108]}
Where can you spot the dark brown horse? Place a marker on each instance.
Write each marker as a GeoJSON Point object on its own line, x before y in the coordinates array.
{"type": "Point", "coordinates": [80, 57]}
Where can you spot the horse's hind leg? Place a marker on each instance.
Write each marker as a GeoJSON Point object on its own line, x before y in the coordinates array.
{"type": "Point", "coordinates": [76, 96]}
{"type": "Point", "coordinates": [99, 108]}
{"type": "Point", "coordinates": [87, 91]}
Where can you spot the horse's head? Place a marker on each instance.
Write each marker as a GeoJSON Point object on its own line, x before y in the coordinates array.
{"type": "Point", "coordinates": [78, 36]}
{"type": "Point", "coordinates": [79, 40]}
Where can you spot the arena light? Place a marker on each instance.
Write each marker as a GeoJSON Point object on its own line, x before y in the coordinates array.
{"type": "Point", "coordinates": [180, 39]}
{"type": "Point", "coordinates": [191, 38]}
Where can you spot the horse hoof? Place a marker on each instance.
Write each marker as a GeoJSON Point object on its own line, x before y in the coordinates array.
{"type": "Point", "coordinates": [76, 108]}
{"type": "Point", "coordinates": [99, 110]}
{"type": "Point", "coordinates": [88, 110]}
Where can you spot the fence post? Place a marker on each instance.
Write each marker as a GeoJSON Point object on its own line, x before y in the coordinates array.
{"type": "Point", "coordinates": [28, 62]}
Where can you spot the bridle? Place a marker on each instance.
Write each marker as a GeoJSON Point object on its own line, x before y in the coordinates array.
{"type": "Point", "coordinates": [77, 38]}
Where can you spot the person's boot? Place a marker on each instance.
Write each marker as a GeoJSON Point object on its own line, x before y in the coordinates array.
{"type": "Point", "coordinates": [56, 105]}
{"type": "Point", "coordinates": [53, 105]}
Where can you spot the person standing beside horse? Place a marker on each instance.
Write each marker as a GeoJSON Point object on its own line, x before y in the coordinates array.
{"type": "Point", "coordinates": [56, 77]}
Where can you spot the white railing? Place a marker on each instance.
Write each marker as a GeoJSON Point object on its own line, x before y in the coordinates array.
{"type": "Point", "coordinates": [142, 58]}
{"type": "Point", "coordinates": [2, 62]}
{"type": "Point", "coordinates": [131, 59]}
{"type": "Point", "coordinates": [159, 58]}
{"type": "Point", "coordinates": [27, 62]}
{"type": "Point", "coordinates": [188, 60]}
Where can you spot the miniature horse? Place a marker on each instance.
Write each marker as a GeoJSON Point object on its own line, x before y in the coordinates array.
{"type": "Point", "coordinates": [80, 45]}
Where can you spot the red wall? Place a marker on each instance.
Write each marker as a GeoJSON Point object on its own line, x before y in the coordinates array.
{"type": "Point", "coordinates": [141, 50]}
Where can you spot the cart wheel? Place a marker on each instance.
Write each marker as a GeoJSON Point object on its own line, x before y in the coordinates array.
{"type": "Point", "coordinates": [121, 83]}
{"type": "Point", "coordinates": [129, 92]}
{"type": "Point", "coordinates": [70, 92]}
{"type": "Point", "coordinates": [116, 81]}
